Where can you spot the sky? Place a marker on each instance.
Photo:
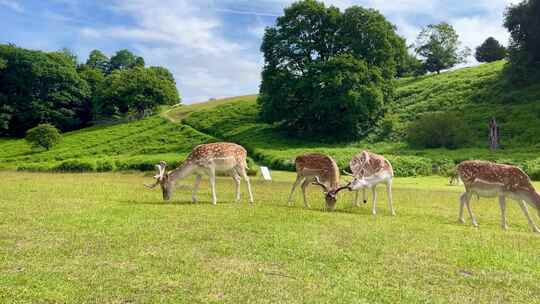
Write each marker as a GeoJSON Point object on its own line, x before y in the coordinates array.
{"type": "Point", "coordinates": [212, 47]}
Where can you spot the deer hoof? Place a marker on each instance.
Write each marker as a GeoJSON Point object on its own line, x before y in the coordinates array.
{"type": "Point", "coordinates": [462, 221]}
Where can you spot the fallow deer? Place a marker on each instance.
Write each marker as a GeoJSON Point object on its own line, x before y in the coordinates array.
{"type": "Point", "coordinates": [369, 170]}
{"type": "Point", "coordinates": [487, 179]}
{"type": "Point", "coordinates": [321, 170]}
{"type": "Point", "coordinates": [206, 159]}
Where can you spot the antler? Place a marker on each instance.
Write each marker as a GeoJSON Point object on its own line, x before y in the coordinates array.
{"type": "Point", "coordinates": [343, 188]}
{"type": "Point", "coordinates": [347, 173]}
{"type": "Point", "coordinates": [159, 176]}
{"type": "Point", "coordinates": [318, 182]}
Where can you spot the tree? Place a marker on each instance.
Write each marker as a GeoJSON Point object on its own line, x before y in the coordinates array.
{"type": "Point", "coordinates": [137, 90]}
{"type": "Point", "coordinates": [410, 65]}
{"type": "Point", "coordinates": [38, 87]}
{"type": "Point", "coordinates": [44, 135]}
{"type": "Point", "coordinates": [490, 50]}
{"type": "Point", "coordinates": [327, 70]}
{"type": "Point", "coordinates": [438, 45]}
{"type": "Point", "coordinates": [124, 59]}
{"type": "Point", "coordinates": [69, 54]}
{"type": "Point", "coordinates": [523, 23]}
{"type": "Point", "coordinates": [98, 60]}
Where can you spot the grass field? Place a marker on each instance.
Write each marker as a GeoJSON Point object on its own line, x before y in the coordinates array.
{"type": "Point", "coordinates": [103, 238]}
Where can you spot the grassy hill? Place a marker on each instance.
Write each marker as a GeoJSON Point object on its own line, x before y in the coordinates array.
{"type": "Point", "coordinates": [478, 93]}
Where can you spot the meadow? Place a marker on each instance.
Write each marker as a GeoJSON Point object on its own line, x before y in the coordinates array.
{"type": "Point", "coordinates": [103, 238]}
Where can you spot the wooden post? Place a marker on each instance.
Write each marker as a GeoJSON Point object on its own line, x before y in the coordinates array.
{"type": "Point", "coordinates": [493, 134]}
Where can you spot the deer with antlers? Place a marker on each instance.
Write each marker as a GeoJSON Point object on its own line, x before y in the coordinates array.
{"type": "Point", "coordinates": [369, 170]}
{"type": "Point", "coordinates": [206, 159]}
{"type": "Point", "coordinates": [487, 179]}
{"type": "Point", "coordinates": [321, 170]}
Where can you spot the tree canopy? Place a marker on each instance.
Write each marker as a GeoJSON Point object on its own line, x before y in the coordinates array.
{"type": "Point", "coordinates": [327, 70]}
{"type": "Point", "coordinates": [490, 50]}
{"type": "Point", "coordinates": [523, 23]}
{"type": "Point", "coordinates": [39, 87]}
{"type": "Point", "coordinates": [438, 46]}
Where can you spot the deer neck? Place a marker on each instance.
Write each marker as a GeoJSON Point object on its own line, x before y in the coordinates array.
{"type": "Point", "coordinates": [185, 169]}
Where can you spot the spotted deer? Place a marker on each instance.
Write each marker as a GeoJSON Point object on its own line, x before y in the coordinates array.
{"type": "Point", "coordinates": [369, 170]}
{"type": "Point", "coordinates": [487, 179]}
{"type": "Point", "coordinates": [206, 159]}
{"type": "Point", "coordinates": [321, 170]}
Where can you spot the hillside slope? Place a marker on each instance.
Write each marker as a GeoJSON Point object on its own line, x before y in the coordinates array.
{"type": "Point", "coordinates": [132, 145]}
{"type": "Point", "coordinates": [477, 92]}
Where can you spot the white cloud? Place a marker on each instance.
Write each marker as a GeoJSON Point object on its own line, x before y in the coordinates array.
{"type": "Point", "coordinates": [13, 5]}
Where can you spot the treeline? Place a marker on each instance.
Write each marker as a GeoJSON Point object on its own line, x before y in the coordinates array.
{"type": "Point", "coordinates": [53, 87]}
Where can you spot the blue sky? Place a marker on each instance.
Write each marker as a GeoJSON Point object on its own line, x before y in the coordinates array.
{"type": "Point", "coordinates": [211, 46]}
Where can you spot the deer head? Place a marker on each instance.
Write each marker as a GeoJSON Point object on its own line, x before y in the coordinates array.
{"type": "Point", "coordinates": [330, 196]}
{"type": "Point", "coordinates": [162, 178]}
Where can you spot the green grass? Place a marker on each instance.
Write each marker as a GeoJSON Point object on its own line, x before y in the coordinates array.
{"type": "Point", "coordinates": [103, 238]}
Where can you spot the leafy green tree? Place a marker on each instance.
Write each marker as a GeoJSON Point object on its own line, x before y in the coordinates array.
{"type": "Point", "coordinates": [523, 23]}
{"type": "Point", "coordinates": [490, 50]}
{"type": "Point", "coordinates": [70, 54]}
{"type": "Point", "coordinates": [43, 135]}
{"type": "Point", "coordinates": [410, 66]}
{"type": "Point", "coordinates": [38, 87]}
{"type": "Point", "coordinates": [438, 45]}
{"type": "Point", "coordinates": [139, 90]}
{"type": "Point", "coordinates": [327, 69]}
{"type": "Point", "coordinates": [124, 59]}
{"type": "Point", "coordinates": [98, 60]}
{"type": "Point", "coordinates": [95, 79]}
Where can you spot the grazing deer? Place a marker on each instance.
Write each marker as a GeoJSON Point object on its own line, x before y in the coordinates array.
{"type": "Point", "coordinates": [320, 170]}
{"type": "Point", "coordinates": [489, 179]}
{"type": "Point", "coordinates": [369, 170]}
{"type": "Point", "coordinates": [206, 159]}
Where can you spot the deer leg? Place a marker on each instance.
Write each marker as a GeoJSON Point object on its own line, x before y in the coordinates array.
{"type": "Point", "coordinates": [356, 197]}
{"type": "Point", "coordinates": [468, 204]}
{"type": "Point", "coordinates": [462, 199]}
{"type": "Point", "coordinates": [212, 174]}
{"type": "Point", "coordinates": [236, 178]}
{"type": "Point", "coordinates": [305, 184]}
{"type": "Point", "coordinates": [246, 178]}
{"type": "Point", "coordinates": [364, 195]}
{"type": "Point", "coordinates": [373, 200]}
{"type": "Point", "coordinates": [502, 204]}
{"type": "Point", "coordinates": [296, 182]}
{"type": "Point", "coordinates": [389, 194]}
{"type": "Point", "coordinates": [526, 212]}
{"type": "Point", "coordinates": [196, 188]}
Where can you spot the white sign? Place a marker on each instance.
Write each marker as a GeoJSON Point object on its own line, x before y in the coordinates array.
{"type": "Point", "coordinates": [266, 173]}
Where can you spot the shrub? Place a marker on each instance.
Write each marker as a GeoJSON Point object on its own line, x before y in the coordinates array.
{"type": "Point", "coordinates": [105, 166]}
{"type": "Point", "coordinates": [44, 135]}
{"type": "Point", "coordinates": [75, 166]}
{"type": "Point", "coordinates": [405, 166]}
{"type": "Point", "coordinates": [438, 130]}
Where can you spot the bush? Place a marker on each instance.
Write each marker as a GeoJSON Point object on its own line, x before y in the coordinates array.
{"type": "Point", "coordinates": [75, 166]}
{"type": "Point", "coordinates": [405, 166]}
{"type": "Point", "coordinates": [44, 135]}
{"type": "Point", "coordinates": [438, 130]}
{"type": "Point", "coordinates": [105, 166]}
